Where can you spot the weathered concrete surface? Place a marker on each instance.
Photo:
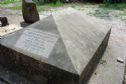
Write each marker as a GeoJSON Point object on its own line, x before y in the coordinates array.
{"type": "Point", "coordinates": [8, 77]}
{"type": "Point", "coordinates": [109, 70]}
{"type": "Point", "coordinates": [78, 46]}
{"type": "Point", "coordinates": [124, 78]}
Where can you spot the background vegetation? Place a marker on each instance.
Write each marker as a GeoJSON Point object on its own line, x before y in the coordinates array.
{"type": "Point", "coordinates": [45, 4]}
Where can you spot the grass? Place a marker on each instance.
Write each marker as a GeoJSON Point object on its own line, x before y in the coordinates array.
{"type": "Point", "coordinates": [8, 2]}
{"type": "Point", "coordinates": [49, 5]}
{"type": "Point", "coordinates": [58, 4]}
{"type": "Point", "coordinates": [40, 7]}
{"type": "Point", "coordinates": [116, 6]}
{"type": "Point", "coordinates": [101, 13]}
{"type": "Point", "coordinates": [15, 8]}
{"type": "Point", "coordinates": [119, 6]}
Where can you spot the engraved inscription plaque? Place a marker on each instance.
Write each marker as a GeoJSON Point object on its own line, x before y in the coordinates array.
{"type": "Point", "coordinates": [37, 42]}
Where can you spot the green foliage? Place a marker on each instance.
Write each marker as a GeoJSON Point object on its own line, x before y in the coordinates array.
{"type": "Point", "coordinates": [8, 2]}
{"type": "Point", "coordinates": [48, 5]}
{"type": "Point", "coordinates": [115, 6]}
{"type": "Point", "coordinates": [40, 7]}
{"type": "Point", "coordinates": [57, 4]}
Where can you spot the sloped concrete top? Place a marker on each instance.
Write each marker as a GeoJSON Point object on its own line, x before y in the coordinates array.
{"type": "Point", "coordinates": [65, 40]}
{"type": "Point", "coordinates": [82, 37]}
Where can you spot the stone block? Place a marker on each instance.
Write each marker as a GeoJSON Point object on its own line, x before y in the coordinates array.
{"type": "Point", "coordinates": [3, 21]}
{"type": "Point", "coordinates": [29, 11]}
{"type": "Point", "coordinates": [65, 48]}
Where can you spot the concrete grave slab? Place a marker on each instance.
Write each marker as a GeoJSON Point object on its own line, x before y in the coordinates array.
{"type": "Point", "coordinates": [65, 48]}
